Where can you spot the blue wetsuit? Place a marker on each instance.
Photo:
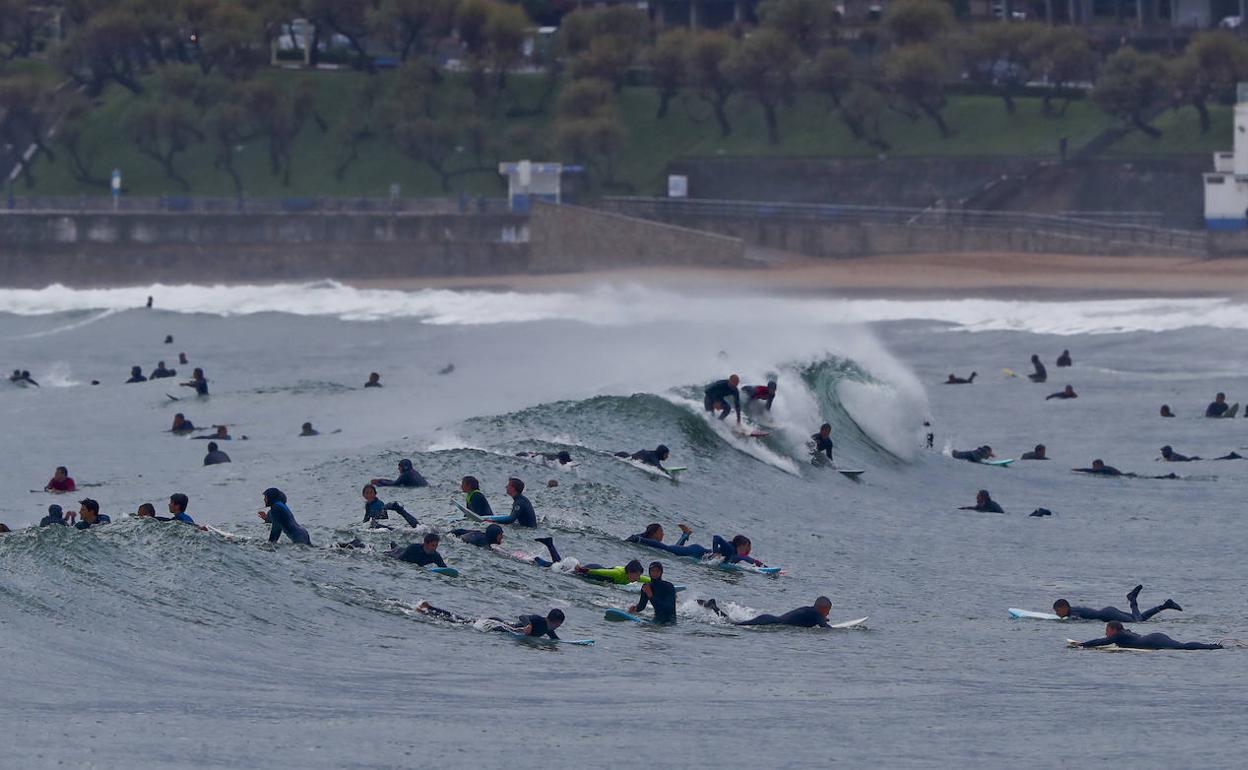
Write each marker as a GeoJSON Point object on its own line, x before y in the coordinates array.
{"type": "Point", "coordinates": [719, 546]}
{"type": "Point", "coordinates": [1153, 641]}
{"type": "Point", "coordinates": [282, 520]}
{"type": "Point", "coordinates": [823, 445]}
{"type": "Point", "coordinates": [720, 391]}
{"type": "Point", "coordinates": [662, 595]}
{"type": "Point", "coordinates": [100, 518]}
{"type": "Point", "coordinates": [522, 513]}
{"type": "Point", "coordinates": [806, 617]}
{"type": "Point", "coordinates": [375, 510]}
{"type": "Point", "coordinates": [182, 516]}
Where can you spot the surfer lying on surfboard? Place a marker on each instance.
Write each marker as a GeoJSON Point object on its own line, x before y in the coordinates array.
{"type": "Point", "coordinates": [1118, 636]}
{"type": "Point", "coordinates": [1063, 609]}
{"type": "Point", "coordinates": [977, 455]}
{"type": "Point", "coordinates": [803, 617]}
{"type": "Point", "coordinates": [528, 625]}
{"type": "Point", "coordinates": [652, 457]}
{"type": "Point", "coordinates": [735, 550]}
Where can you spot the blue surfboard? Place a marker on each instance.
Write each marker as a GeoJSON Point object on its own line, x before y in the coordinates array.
{"type": "Point", "coordinates": [621, 615]}
{"type": "Point", "coordinates": [448, 571]}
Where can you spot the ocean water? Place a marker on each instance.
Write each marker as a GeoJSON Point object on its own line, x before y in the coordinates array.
{"type": "Point", "coordinates": [142, 644]}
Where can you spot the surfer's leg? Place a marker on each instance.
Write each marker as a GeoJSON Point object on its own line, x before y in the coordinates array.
{"type": "Point", "coordinates": [695, 550]}
{"type": "Point", "coordinates": [761, 620]}
{"type": "Point", "coordinates": [713, 607]}
{"type": "Point", "coordinates": [1169, 604]}
{"type": "Point", "coordinates": [549, 542]}
{"type": "Point", "coordinates": [1135, 607]}
{"type": "Point", "coordinates": [436, 612]}
{"type": "Point", "coordinates": [409, 518]}
{"type": "Point", "coordinates": [1106, 614]}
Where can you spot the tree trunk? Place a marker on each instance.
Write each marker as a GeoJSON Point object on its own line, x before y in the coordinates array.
{"type": "Point", "coordinates": [773, 125]}
{"type": "Point", "coordinates": [1010, 106]}
{"type": "Point", "coordinates": [1203, 110]}
{"type": "Point", "coordinates": [1150, 131]}
{"type": "Point", "coordinates": [938, 119]}
{"type": "Point", "coordinates": [721, 116]}
{"type": "Point", "coordinates": [665, 97]}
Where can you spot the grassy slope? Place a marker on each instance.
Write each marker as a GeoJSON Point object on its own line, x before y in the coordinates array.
{"type": "Point", "coordinates": [808, 129]}
{"type": "Point", "coordinates": [1180, 135]}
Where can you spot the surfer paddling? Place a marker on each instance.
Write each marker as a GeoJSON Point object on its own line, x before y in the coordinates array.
{"type": "Point", "coordinates": [802, 617]}
{"type": "Point", "coordinates": [1063, 609]}
{"type": "Point", "coordinates": [1118, 636]}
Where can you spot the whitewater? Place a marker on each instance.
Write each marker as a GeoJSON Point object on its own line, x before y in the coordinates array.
{"type": "Point", "coordinates": [142, 644]}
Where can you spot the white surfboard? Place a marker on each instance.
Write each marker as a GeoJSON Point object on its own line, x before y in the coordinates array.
{"type": "Point", "coordinates": [1028, 614]}
{"type": "Point", "coordinates": [850, 623]}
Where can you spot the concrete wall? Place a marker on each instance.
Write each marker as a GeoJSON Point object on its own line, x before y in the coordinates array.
{"type": "Point", "coordinates": [567, 238]}
{"type": "Point", "coordinates": [126, 248]}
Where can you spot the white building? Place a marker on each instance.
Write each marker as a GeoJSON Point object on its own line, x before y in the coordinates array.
{"type": "Point", "coordinates": [1226, 189]}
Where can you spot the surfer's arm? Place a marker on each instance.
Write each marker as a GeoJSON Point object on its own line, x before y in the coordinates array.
{"type": "Point", "coordinates": [1104, 641]}
{"type": "Point", "coordinates": [642, 600]}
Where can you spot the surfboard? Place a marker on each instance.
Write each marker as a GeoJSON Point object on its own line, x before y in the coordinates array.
{"type": "Point", "coordinates": [448, 571]}
{"type": "Point", "coordinates": [470, 515]}
{"type": "Point", "coordinates": [548, 640]}
{"type": "Point", "coordinates": [998, 463]}
{"type": "Point", "coordinates": [670, 475]}
{"type": "Point", "coordinates": [1010, 372]}
{"type": "Point", "coordinates": [1028, 614]}
{"type": "Point", "coordinates": [620, 616]}
{"type": "Point", "coordinates": [745, 567]}
{"type": "Point", "coordinates": [849, 623]}
{"type": "Point", "coordinates": [754, 433]}
{"type": "Point", "coordinates": [1115, 648]}
{"type": "Point", "coordinates": [848, 473]}
{"type": "Point", "coordinates": [1233, 411]}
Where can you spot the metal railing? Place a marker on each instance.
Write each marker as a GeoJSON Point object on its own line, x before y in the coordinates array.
{"type": "Point", "coordinates": [247, 205]}
{"type": "Point", "coordinates": [1099, 227]}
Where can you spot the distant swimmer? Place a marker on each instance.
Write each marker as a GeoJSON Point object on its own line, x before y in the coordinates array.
{"type": "Point", "coordinates": [89, 514]}
{"type": "Point", "coordinates": [1169, 455]}
{"type": "Point", "coordinates": [1099, 468]}
{"type": "Point", "coordinates": [215, 456]}
{"type": "Point", "coordinates": [718, 394]}
{"type": "Point", "coordinates": [1219, 406]}
{"type": "Point", "coordinates": [60, 481]}
{"type": "Point", "coordinates": [375, 509]}
{"type": "Point", "coordinates": [161, 372]}
{"type": "Point", "coordinates": [1118, 636]}
{"type": "Point", "coordinates": [424, 554]}
{"type": "Point", "coordinates": [447, 369]}
{"type": "Point", "coordinates": [822, 443]}
{"type": "Point", "coordinates": [1039, 453]}
{"type": "Point", "coordinates": [168, 339]}
{"type": "Point", "coordinates": [983, 503]}
{"type": "Point", "coordinates": [652, 457]}
{"type": "Point", "coordinates": [198, 381]}
{"type": "Point", "coordinates": [563, 458]}
{"type": "Point", "coordinates": [1040, 374]}
{"type": "Point", "coordinates": [182, 359]}
{"type": "Point", "coordinates": [493, 535]}
{"type": "Point", "coordinates": [222, 434]}
{"type": "Point", "coordinates": [149, 301]}
{"type": "Point", "coordinates": [763, 395]}
{"type": "Point", "coordinates": [1231, 456]}
{"type": "Point", "coordinates": [659, 594]}
{"type": "Point", "coordinates": [528, 625]}
{"type": "Point", "coordinates": [955, 380]}
{"type": "Point", "coordinates": [474, 498]}
{"type": "Point", "coordinates": [22, 377]}
{"type": "Point", "coordinates": [802, 617]}
{"type": "Point", "coordinates": [1063, 609]}
{"type": "Point", "coordinates": [522, 513]}
{"type": "Point", "coordinates": [308, 430]}
{"type": "Point", "coordinates": [55, 517]}
{"type": "Point", "coordinates": [930, 438]}
{"type": "Point", "coordinates": [1165, 411]}
{"type": "Point", "coordinates": [136, 375]}
{"type": "Point", "coordinates": [4, 529]}
{"type": "Point", "coordinates": [736, 550]}
{"type": "Point", "coordinates": [1064, 359]}
{"type": "Point", "coordinates": [977, 455]}
{"type": "Point", "coordinates": [1069, 392]}
{"type": "Point", "coordinates": [281, 520]}
{"type": "Point", "coordinates": [181, 424]}
{"type": "Point", "coordinates": [374, 381]}
{"type": "Point", "coordinates": [408, 477]}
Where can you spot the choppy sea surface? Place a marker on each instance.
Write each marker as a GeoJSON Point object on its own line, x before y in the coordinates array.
{"type": "Point", "coordinates": [142, 644]}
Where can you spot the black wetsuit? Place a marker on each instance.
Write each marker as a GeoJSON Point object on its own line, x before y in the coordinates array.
{"type": "Point", "coordinates": [662, 595]}
{"type": "Point", "coordinates": [720, 391]}
{"type": "Point", "coordinates": [416, 554]}
{"type": "Point", "coordinates": [1230, 456]}
{"type": "Point", "coordinates": [282, 520]}
{"type": "Point", "coordinates": [100, 518]}
{"type": "Point", "coordinates": [477, 503]}
{"type": "Point", "coordinates": [481, 539]}
{"type": "Point", "coordinates": [216, 458]}
{"type": "Point", "coordinates": [1216, 410]}
{"type": "Point", "coordinates": [375, 510]}
{"type": "Point", "coordinates": [1153, 641]}
{"type": "Point", "coordinates": [522, 513]}
{"type": "Point", "coordinates": [160, 374]}
{"type": "Point", "coordinates": [1033, 456]}
{"type": "Point", "coordinates": [806, 617]}
{"type": "Point", "coordinates": [1106, 614]}
{"type": "Point", "coordinates": [1061, 395]}
{"type": "Point", "coordinates": [1104, 470]}
{"type": "Point", "coordinates": [1175, 457]}
{"type": "Point", "coordinates": [1039, 375]}
{"type": "Point", "coordinates": [647, 457]}
{"type": "Point", "coordinates": [52, 519]}
{"type": "Point", "coordinates": [973, 455]}
{"type": "Point", "coordinates": [407, 478]}
{"type": "Point", "coordinates": [1063, 360]}
{"type": "Point", "coordinates": [539, 626]}
{"type": "Point", "coordinates": [989, 507]}
{"type": "Point", "coordinates": [212, 437]}
{"type": "Point", "coordinates": [200, 386]}
{"type": "Point", "coordinates": [822, 445]}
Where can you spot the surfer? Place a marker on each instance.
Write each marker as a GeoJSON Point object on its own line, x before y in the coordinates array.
{"type": "Point", "coordinates": [1099, 468]}
{"type": "Point", "coordinates": [955, 380]}
{"type": "Point", "coordinates": [658, 593]}
{"type": "Point", "coordinates": [424, 554]}
{"type": "Point", "coordinates": [198, 381]}
{"type": "Point", "coordinates": [280, 518]}
{"type": "Point", "coordinates": [1218, 407]}
{"type": "Point", "coordinates": [563, 458]}
{"type": "Point", "coordinates": [408, 477]}
{"type": "Point", "coordinates": [168, 339]}
{"type": "Point", "coordinates": [629, 573]}
{"type": "Point", "coordinates": [733, 551]}
{"type": "Point", "coordinates": [1039, 453]}
{"type": "Point", "coordinates": [983, 503]}
{"type": "Point", "coordinates": [60, 481]}
{"type": "Point", "coordinates": [1165, 411]}
{"type": "Point", "coordinates": [177, 508]}
{"type": "Point", "coordinates": [161, 372]}
{"type": "Point", "coordinates": [215, 456]}
{"type": "Point", "coordinates": [1064, 359]}
{"type": "Point", "coordinates": [181, 424]}
{"type": "Point", "coordinates": [308, 430]}
{"type": "Point", "coordinates": [1116, 635]}
{"type": "Point", "coordinates": [474, 498]}
{"type": "Point", "coordinates": [1171, 456]}
{"type": "Point", "coordinates": [374, 380]}
{"type": "Point", "coordinates": [493, 535]}
{"type": "Point", "coordinates": [375, 509]}
{"type": "Point", "coordinates": [822, 443]}
{"type": "Point", "coordinates": [55, 517]}
{"type": "Point", "coordinates": [522, 513]}
{"type": "Point", "coordinates": [764, 394]}
{"type": "Point", "coordinates": [136, 375]}
{"type": "Point", "coordinates": [977, 455]}
{"type": "Point", "coordinates": [655, 532]}
{"type": "Point", "coordinates": [1063, 609]}
{"type": "Point", "coordinates": [804, 617]}
{"type": "Point", "coordinates": [89, 514]}
{"type": "Point", "coordinates": [1231, 456]}
{"type": "Point", "coordinates": [22, 377]}
{"type": "Point", "coordinates": [528, 625]}
{"type": "Point", "coordinates": [1040, 374]}
{"type": "Point", "coordinates": [652, 457]}
{"type": "Point", "coordinates": [1069, 392]}
{"type": "Point", "coordinates": [717, 394]}
{"type": "Point", "coordinates": [222, 434]}
{"type": "Point", "coordinates": [182, 359]}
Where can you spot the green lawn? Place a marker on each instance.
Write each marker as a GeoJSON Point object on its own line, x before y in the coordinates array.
{"type": "Point", "coordinates": [808, 129]}
{"type": "Point", "coordinates": [1180, 135]}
